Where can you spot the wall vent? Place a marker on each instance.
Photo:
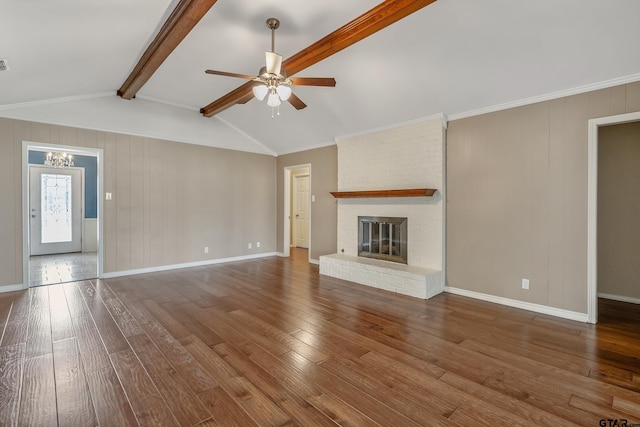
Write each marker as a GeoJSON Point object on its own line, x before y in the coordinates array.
{"type": "Point", "coordinates": [4, 65]}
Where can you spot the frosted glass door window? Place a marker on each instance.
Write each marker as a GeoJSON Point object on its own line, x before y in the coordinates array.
{"type": "Point", "coordinates": [56, 208]}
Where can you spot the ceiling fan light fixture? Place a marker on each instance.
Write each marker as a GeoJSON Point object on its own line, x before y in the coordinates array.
{"type": "Point", "coordinates": [284, 92]}
{"type": "Point", "coordinates": [274, 99]}
{"type": "Point", "coordinates": [260, 91]}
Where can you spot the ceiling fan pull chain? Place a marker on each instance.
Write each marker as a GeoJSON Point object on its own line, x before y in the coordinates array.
{"type": "Point", "coordinates": [275, 111]}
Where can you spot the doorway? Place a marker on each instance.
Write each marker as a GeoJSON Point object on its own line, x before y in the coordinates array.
{"type": "Point", "coordinates": [592, 206]}
{"type": "Point", "coordinates": [61, 216]}
{"type": "Point", "coordinates": [297, 208]}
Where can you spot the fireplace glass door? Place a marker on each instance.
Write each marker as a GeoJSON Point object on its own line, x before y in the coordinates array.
{"type": "Point", "coordinates": [383, 238]}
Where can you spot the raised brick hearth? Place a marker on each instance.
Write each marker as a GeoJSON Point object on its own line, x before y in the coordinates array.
{"type": "Point", "coordinates": [391, 276]}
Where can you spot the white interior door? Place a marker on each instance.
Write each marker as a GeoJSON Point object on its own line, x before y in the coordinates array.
{"type": "Point", "coordinates": [301, 210]}
{"type": "Point", "coordinates": [55, 210]}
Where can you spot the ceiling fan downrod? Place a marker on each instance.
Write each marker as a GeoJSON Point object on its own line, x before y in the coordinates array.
{"type": "Point", "coordinates": [273, 25]}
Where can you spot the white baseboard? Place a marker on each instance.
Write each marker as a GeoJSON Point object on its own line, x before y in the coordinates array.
{"type": "Point", "coordinates": [619, 298]}
{"type": "Point", "coordinates": [185, 265]}
{"type": "Point", "coordinates": [538, 308]}
{"type": "Point", "coordinates": [314, 261]}
{"type": "Point", "coordinates": [11, 288]}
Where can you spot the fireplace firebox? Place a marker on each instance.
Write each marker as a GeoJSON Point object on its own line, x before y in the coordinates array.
{"type": "Point", "coordinates": [383, 238]}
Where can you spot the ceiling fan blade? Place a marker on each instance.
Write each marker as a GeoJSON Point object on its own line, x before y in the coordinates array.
{"type": "Point", "coordinates": [274, 62]}
{"type": "Point", "coordinates": [296, 102]}
{"type": "Point", "coordinates": [313, 81]}
{"type": "Point", "coordinates": [381, 16]}
{"type": "Point", "coordinates": [225, 73]}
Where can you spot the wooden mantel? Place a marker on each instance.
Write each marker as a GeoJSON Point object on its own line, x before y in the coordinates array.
{"type": "Point", "coordinates": [411, 192]}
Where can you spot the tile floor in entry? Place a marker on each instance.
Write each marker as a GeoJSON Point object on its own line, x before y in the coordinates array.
{"type": "Point", "coordinates": [61, 268]}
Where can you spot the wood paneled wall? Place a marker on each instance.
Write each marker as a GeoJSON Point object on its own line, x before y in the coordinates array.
{"type": "Point", "coordinates": [517, 198]}
{"type": "Point", "coordinates": [170, 199]}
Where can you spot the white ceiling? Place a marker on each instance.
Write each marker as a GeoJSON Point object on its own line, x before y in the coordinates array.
{"type": "Point", "coordinates": [68, 58]}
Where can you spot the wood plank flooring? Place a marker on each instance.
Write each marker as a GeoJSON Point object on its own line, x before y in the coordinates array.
{"type": "Point", "coordinates": [270, 342]}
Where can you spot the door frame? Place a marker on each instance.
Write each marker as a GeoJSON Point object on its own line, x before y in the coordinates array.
{"type": "Point", "coordinates": [286, 238]}
{"type": "Point", "coordinates": [98, 153]}
{"type": "Point", "coordinates": [592, 207]}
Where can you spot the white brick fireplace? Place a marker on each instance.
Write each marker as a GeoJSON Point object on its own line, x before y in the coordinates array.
{"type": "Point", "coordinates": [405, 157]}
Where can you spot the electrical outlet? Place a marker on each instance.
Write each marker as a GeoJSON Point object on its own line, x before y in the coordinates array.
{"type": "Point", "coordinates": [258, 245]}
{"type": "Point", "coordinates": [249, 246]}
{"type": "Point", "coordinates": [206, 249]}
{"type": "Point", "coordinates": [525, 283]}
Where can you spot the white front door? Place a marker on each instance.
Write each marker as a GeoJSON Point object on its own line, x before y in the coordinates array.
{"type": "Point", "coordinates": [55, 210]}
{"type": "Point", "coordinates": [301, 210]}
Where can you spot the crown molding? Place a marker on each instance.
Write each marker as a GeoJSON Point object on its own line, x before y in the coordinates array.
{"type": "Point", "coordinates": [15, 111]}
{"type": "Point", "coordinates": [39, 103]}
{"type": "Point", "coordinates": [549, 96]}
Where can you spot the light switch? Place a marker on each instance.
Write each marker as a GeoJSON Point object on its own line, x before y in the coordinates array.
{"type": "Point", "coordinates": [313, 197]}
{"type": "Point", "coordinates": [107, 196]}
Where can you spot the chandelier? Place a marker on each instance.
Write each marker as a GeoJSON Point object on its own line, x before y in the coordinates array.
{"type": "Point", "coordinates": [58, 160]}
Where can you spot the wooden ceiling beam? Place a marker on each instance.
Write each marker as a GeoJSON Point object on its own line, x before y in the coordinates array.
{"type": "Point", "coordinates": [381, 16]}
{"type": "Point", "coordinates": [181, 21]}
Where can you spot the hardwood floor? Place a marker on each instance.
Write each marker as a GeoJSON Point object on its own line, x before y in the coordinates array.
{"type": "Point", "coordinates": [270, 342]}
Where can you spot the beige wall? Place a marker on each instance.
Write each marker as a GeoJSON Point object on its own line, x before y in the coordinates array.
{"type": "Point", "coordinates": [619, 210]}
{"type": "Point", "coordinates": [517, 198]}
{"type": "Point", "coordinates": [170, 199]}
{"type": "Point", "coordinates": [324, 178]}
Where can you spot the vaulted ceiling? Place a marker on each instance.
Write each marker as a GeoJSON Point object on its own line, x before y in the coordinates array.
{"type": "Point", "coordinates": [69, 58]}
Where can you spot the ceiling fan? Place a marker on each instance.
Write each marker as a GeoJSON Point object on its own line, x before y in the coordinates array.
{"type": "Point", "coordinates": [272, 79]}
